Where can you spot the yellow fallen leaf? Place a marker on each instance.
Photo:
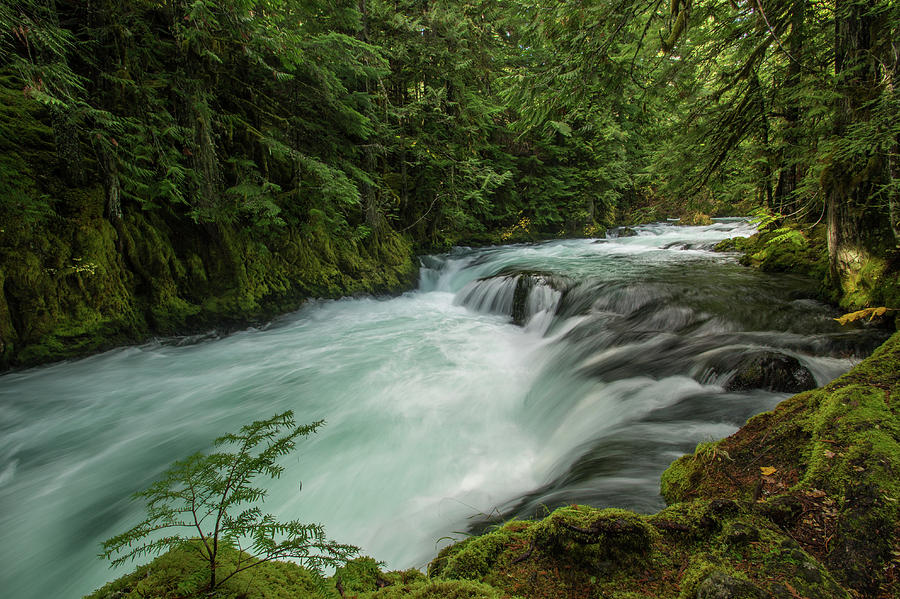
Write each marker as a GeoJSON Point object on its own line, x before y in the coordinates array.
{"type": "Point", "coordinates": [869, 313]}
{"type": "Point", "coordinates": [768, 470]}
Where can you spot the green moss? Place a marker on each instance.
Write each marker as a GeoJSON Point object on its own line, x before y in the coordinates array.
{"type": "Point", "coordinates": [789, 249]}
{"type": "Point", "coordinates": [440, 589]}
{"type": "Point", "coordinates": [182, 574]}
{"type": "Point", "coordinates": [586, 535]}
{"type": "Point", "coordinates": [694, 574]}
{"type": "Point", "coordinates": [681, 479]}
{"type": "Point", "coordinates": [364, 575]}
{"type": "Point", "coordinates": [475, 557]}
{"type": "Point", "coordinates": [695, 219]}
{"type": "Point", "coordinates": [87, 286]}
{"type": "Point", "coordinates": [732, 244]}
{"type": "Point", "coordinates": [874, 283]}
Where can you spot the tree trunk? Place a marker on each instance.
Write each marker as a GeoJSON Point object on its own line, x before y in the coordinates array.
{"type": "Point", "coordinates": [857, 228]}
{"type": "Point", "coordinates": [113, 187]}
{"type": "Point", "coordinates": [788, 174]}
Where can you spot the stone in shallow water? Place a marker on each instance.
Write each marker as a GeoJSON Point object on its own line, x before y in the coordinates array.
{"type": "Point", "coordinates": [765, 369]}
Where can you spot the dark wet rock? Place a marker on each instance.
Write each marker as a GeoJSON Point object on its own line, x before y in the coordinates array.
{"type": "Point", "coordinates": [511, 292]}
{"type": "Point", "coordinates": [770, 370]}
{"type": "Point", "coordinates": [524, 285]}
{"type": "Point", "coordinates": [619, 232]}
{"type": "Point", "coordinates": [526, 281]}
{"type": "Point", "coordinates": [682, 245]}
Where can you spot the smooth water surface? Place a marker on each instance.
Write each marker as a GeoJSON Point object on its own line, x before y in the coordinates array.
{"type": "Point", "coordinates": [516, 379]}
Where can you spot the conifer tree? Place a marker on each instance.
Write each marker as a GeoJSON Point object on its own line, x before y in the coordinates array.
{"type": "Point", "coordinates": [209, 501]}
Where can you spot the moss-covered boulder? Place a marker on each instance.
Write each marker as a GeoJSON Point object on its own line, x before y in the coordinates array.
{"type": "Point", "coordinates": [824, 467]}
{"type": "Point", "coordinates": [693, 219]}
{"type": "Point", "coordinates": [183, 574]}
{"type": "Point", "coordinates": [790, 248]}
{"type": "Point", "coordinates": [732, 244]}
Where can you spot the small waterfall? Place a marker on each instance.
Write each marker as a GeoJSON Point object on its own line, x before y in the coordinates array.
{"type": "Point", "coordinates": [492, 296]}
{"type": "Point", "coordinates": [521, 296]}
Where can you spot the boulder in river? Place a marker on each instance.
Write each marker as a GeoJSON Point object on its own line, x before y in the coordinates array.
{"type": "Point", "coordinates": [618, 232]}
{"type": "Point", "coordinates": [765, 369]}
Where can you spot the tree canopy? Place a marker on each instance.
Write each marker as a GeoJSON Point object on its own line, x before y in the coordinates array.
{"type": "Point", "coordinates": [447, 121]}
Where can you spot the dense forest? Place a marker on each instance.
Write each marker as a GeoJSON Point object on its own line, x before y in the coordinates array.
{"type": "Point", "coordinates": [174, 165]}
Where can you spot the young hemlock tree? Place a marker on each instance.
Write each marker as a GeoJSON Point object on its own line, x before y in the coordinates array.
{"type": "Point", "coordinates": [209, 501]}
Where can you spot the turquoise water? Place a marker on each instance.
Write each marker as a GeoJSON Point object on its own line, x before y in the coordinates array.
{"type": "Point", "coordinates": [441, 413]}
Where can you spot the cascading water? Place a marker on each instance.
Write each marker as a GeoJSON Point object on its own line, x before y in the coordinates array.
{"type": "Point", "coordinates": [514, 380]}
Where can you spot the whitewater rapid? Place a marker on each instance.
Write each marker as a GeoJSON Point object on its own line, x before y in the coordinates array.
{"type": "Point", "coordinates": [442, 414]}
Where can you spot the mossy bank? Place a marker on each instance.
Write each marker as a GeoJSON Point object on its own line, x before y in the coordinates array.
{"type": "Point", "coordinates": [803, 501]}
{"type": "Point", "coordinates": [85, 285]}
{"type": "Point", "coordinates": [76, 280]}
{"type": "Point", "coordinates": [803, 249]}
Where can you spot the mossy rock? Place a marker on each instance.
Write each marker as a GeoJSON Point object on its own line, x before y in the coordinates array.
{"type": "Point", "coordinates": [182, 574]}
{"type": "Point", "coordinates": [720, 585]}
{"type": "Point", "coordinates": [875, 283]}
{"type": "Point", "coordinates": [587, 535]}
{"type": "Point", "coordinates": [695, 219]}
{"type": "Point", "coordinates": [91, 286]}
{"type": "Point", "coordinates": [824, 466]}
{"type": "Point", "coordinates": [732, 244]}
{"type": "Point", "coordinates": [440, 589]}
{"type": "Point", "coordinates": [363, 576]}
{"type": "Point", "coordinates": [791, 248]}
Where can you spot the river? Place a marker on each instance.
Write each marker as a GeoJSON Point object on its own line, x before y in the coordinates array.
{"type": "Point", "coordinates": [447, 408]}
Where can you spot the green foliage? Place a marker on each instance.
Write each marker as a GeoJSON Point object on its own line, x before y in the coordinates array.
{"type": "Point", "coordinates": [182, 574]}
{"type": "Point", "coordinates": [209, 501]}
{"type": "Point", "coordinates": [350, 122]}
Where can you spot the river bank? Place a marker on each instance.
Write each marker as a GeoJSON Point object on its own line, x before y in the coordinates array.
{"type": "Point", "coordinates": [83, 285]}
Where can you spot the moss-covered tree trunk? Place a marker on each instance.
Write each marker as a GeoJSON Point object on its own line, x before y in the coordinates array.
{"type": "Point", "coordinates": [858, 226]}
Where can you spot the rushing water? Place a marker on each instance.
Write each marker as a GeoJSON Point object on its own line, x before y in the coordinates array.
{"type": "Point", "coordinates": [514, 380]}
